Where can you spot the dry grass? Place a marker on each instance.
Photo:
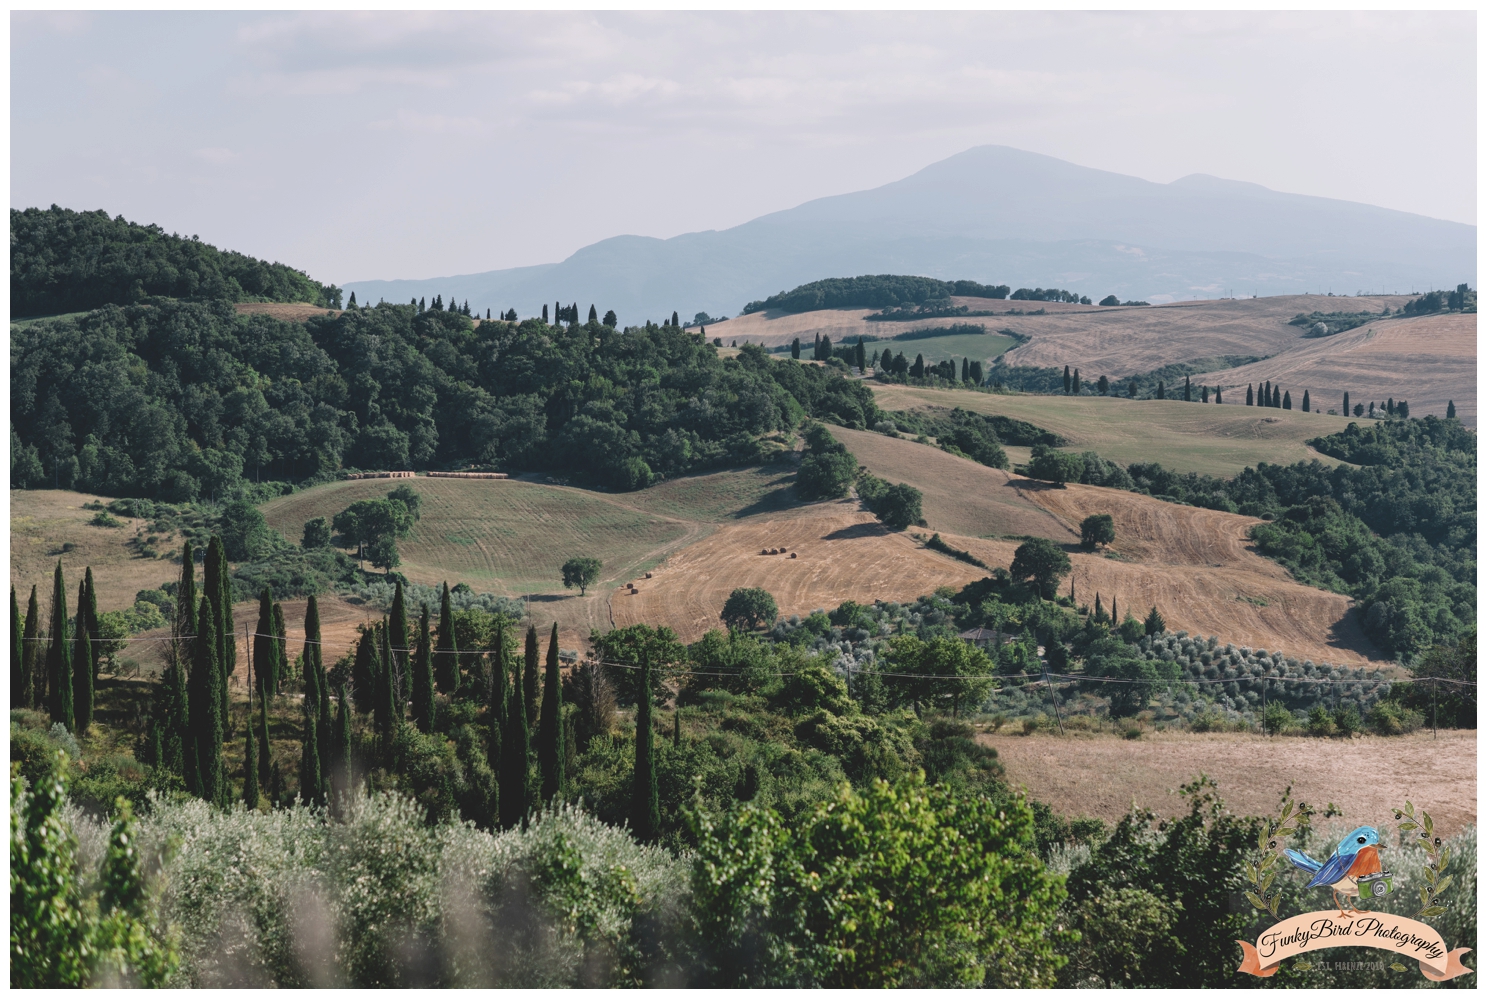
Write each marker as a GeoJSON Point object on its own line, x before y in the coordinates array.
{"type": "Point", "coordinates": [1102, 776]}
{"type": "Point", "coordinates": [844, 554]}
{"type": "Point", "coordinates": [1185, 436]}
{"type": "Point", "coordinates": [294, 312]}
{"type": "Point", "coordinates": [1428, 360]}
{"type": "Point", "coordinates": [1196, 565]}
{"type": "Point", "coordinates": [42, 520]}
{"type": "Point", "coordinates": [960, 497]}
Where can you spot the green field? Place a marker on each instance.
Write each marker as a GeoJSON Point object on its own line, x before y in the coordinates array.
{"type": "Point", "coordinates": [498, 536]}
{"type": "Point", "coordinates": [717, 497]}
{"type": "Point", "coordinates": [1185, 436]}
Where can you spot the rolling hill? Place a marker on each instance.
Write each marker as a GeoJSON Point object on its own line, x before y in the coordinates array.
{"type": "Point", "coordinates": [1002, 215]}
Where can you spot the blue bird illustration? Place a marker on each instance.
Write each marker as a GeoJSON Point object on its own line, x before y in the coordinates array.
{"type": "Point", "coordinates": [1355, 857]}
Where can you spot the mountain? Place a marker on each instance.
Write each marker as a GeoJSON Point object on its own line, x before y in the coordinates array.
{"type": "Point", "coordinates": [999, 215]}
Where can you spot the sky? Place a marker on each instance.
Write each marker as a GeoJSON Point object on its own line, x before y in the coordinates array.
{"type": "Point", "coordinates": [358, 146]}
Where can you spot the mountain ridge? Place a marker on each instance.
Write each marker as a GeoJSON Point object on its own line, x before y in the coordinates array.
{"type": "Point", "coordinates": [1094, 231]}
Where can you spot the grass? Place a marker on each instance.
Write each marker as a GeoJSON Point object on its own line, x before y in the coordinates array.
{"type": "Point", "coordinates": [499, 536]}
{"type": "Point", "coordinates": [1187, 437]}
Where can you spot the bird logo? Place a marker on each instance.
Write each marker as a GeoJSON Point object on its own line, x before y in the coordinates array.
{"type": "Point", "coordinates": [1355, 860]}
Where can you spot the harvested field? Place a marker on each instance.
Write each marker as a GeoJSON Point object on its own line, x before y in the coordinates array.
{"type": "Point", "coordinates": [1102, 776]}
{"type": "Point", "coordinates": [1427, 360]}
{"type": "Point", "coordinates": [960, 497]}
{"type": "Point", "coordinates": [294, 312]}
{"type": "Point", "coordinates": [42, 520]}
{"type": "Point", "coordinates": [1185, 436]}
{"type": "Point", "coordinates": [1196, 565]}
{"type": "Point", "coordinates": [844, 554]}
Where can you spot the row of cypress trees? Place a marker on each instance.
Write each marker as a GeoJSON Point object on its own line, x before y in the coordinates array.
{"type": "Point", "coordinates": [56, 670]}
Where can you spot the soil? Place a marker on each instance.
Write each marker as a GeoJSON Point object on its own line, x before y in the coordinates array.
{"type": "Point", "coordinates": [1104, 775]}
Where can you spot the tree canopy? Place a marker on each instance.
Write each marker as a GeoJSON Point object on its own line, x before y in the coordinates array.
{"type": "Point", "coordinates": [872, 291]}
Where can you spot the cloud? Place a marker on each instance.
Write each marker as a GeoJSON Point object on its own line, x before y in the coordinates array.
{"type": "Point", "coordinates": [218, 155]}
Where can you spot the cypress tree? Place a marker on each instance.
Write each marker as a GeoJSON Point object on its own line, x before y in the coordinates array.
{"type": "Point", "coordinates": [341, 744]}
{"type": "Point", "coordinates": [82, 666]}
{"type": "Point", "coordinates": [515, 745]}
{"type": "Point", "coordinates": [1114, 614]}
{"type": "Point", "coordinates": [1249, 396]}
{"type": "Point", "coordinates": [205, 779]}
{"type": "Point", "coordinates": [1203, 393]}
{"type": "Point", "coordinates": [312, 775]}
{"type": "Point", "coordinates": [58, 663]}
{"type": "Point", "coordinates": [1389, 406]}
{"type": "Point", "coordinates": [266, 646]}
{"type": "Point", "coordinates": [31, 654]}
{"type": "Point", "coordinates": [281, 638]}
{"type": "Point", "coordinates": [1076, 381]}
{"type": "Point", "coordinates": [265, 758]}
{"type": "Point", "coordinates": [1345, 410]}
{"type": "Point", "coordinates": [593, 314]}
{"type": "Point", "coordinates": [323, 727]}
{"type": "Point", "coordinates": [1285, 403]}
{"type": "Point", "coordinates": [645, 804]}
{"type": "Point", "coordinates": [496, 717]}
{"type": "Point", "coordinates": [1068, 382]}
{"type": "Point", "coordinates": [544, 312]}
{"type": "Point", "coordinates": [965, 369]}
{"type": "Point", "coordinates": [530, 681]}
{"type": "Point", "coordinates": [1161, 390]}
{"type": "Point", "coordinates": [1450, 409]}
{"type": "Point", "coordinates": [1306, 400]}
{"type": "Point", "coordinates": [364, 672]}
{"type": "Point", "coordinates": [90, 605]}
{"type": "Point", "coordinates": [423, 680]}
{"type": "Point", "coordinates": [550, 751]}
{"type": "Point", "coordinates": [399, 638]}
{"type": "Point", "coordinates": [446, 653]}
{"type": "Point", "coordinates": [976, 373]}
{"type": "Point", "coordinates": [1218, 396]}
{"type": "Point", "coordinates": [218, 590]}
{"type": "Point", "coordinates": [1099, 614]}
{"type": "Point", "coordinates": [675, 321]}
{"type": "Point", "coordinates": [795, 348]}
{"type": "Point", "coordinates": [386, 720]}
{"type": "Point", "coordinates": [17, 654]}
{"type": "Point", "coordinates": [309, 757]}
{"type": "Point", "coordinates": [250, 758]}
{"type": "Point", "coordinates": [1187, 389]}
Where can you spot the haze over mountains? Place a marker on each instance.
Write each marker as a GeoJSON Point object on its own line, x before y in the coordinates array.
{"type": "Point", "coordinates": [997, 214]}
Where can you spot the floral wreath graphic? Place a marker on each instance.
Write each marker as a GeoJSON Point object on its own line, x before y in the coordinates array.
{"type": "Point", "coordinates": [1354, 873]}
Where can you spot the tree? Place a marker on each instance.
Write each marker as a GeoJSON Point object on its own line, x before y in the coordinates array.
{"type": "Point", "coordinates": [1203, 393]}
{"type": "Point", "coordinates": [281, 638]}
{"type": "Point", "coordinates": [204, 777]}
{"type": "Point", "coordinates": [897, 505]}
{"type": "Point", "coordinates": [1155, 623]}
{"type": "Point", "coordinates": [593, 314]}
{"type": "Point", "coordinates": [250, 753]}
{"type": "Point", "coordinates": [917, 370]}
{"type": "Point", "coordinates": [1346, 409]}
{"type": "Point", "coordinates": [423, 678]}
{"type": "Point", "coordinates": [795, 348]}
{"type": "Point", "coordinates": [31, 655]}
{"type": "Point", "coordinates": [1358, 409]}
{"type": "Point", "coordinates": [89, 609]}
{"type": "Point", "coordinates": [515, 766]}
{"type": "Point", "coordinates": [446, 652]}
{"type": "Point", "coordinates": [582, 572]}
{"type": "Point", "coordinates": [82, 666]}
{"type": "Point", "coordinates": [1068, 380]}
{"type": "Point", "coordinates": [1450, 409]}
{"type": "Point", "coordinates": [316, 534]}
{"type": "Point", "coordinates": [245, 534]}
{"type": "Point", "coordinates": [1306, 400]}
{"type": "Point", "coordinates": [1402, 409]}
{"type": "Point", "coordinates": [1161, 389]}
{"type": "Point", "coordinates": [18, 685]}
{"type": "Point", "coordinates": [977, 376]}
{"type": "Point", "coordinates": [748, 608]}
{"type": "Point", "coordinates": [398, 637]}
{"type": "Point", "coordinates": [1187, 388]}
{"type": "Point", "coordinates": [645, 802]}
{"type": "Point", "coordinates": [1076, 381]}
{"type": "Point", "coordinates": [265, 646]}
{"type": "Point", "coordinates": [530, 678]}
{"type": "Point", "coordinates": [217, 589]}
{"type": "Point", "coordinates": [1052, 465]}
{"type": "Point", "coordinates": [1103, 386]}
{"type": "Point", "coordinates": [1249, 396]}
{"type": "Point", "coordinates": [610, 319]}
{"type": "Point", "coordinates": [265, 751]}
{"type": "Point", "coordinates": [1097, 529]}
{"type": "Point", "coordinates": [1042, 561]}
{"type": "Point", "coordinates": [859, 356]}
{"type": "Point", "coordinates": [58, 662]}
{"type": "Point", "coordinates": [1285, 402]}
{"type": "Point", "coordinates": [550, 749]}
{"type": "Point", "coordinates": [675, 319]}
{"type": "Point", "coordinates": [1218, 396]}
{"type": "Point", "coordinates": [412, 503]}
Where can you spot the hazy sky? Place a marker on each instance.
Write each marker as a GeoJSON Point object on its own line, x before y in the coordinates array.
{"type": "Point", "coordinates": [359, 146]}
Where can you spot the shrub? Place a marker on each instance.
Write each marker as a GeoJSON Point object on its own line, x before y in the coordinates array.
{"type": "Point", "coordinates": [1349, 722]}
{"type": "Point", "coordinates": [1389, 718]}
{"type": "Point", "coordinates": [1319, 722]}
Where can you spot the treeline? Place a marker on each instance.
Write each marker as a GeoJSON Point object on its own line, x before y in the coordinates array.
{"type": "Point", "coordinates": [181, 400]}
{"type": "Point", "coordinates": [1463, 299]}
{"type": "Point", "coordinates": [1049, 295]}
{"type": "Point", "coordinates": [1398, 534]}
{"type": "Point", "coordinates": [873, 290]}
{"type": "Point", "coordinates": [67, 261]}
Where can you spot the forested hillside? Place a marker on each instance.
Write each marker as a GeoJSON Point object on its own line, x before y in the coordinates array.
{"type": "Point", "coordinates": [177, 400]}
{"type": "Point", "coordinates": [872, 290]}
{"type": "Point", "coordinates": [67, 261]}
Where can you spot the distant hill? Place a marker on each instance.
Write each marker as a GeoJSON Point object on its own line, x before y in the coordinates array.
{"type": "Point", "coordinates": [1000, 216]}
{"type": "Point", "coordinates": [67, 261]}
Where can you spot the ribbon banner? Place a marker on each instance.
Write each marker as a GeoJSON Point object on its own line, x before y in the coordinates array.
{"type": "Point", "coordinates": [1312, 931]}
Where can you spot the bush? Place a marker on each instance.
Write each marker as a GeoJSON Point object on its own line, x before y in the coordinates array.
{"type": "Point", "coordinates": [896, 505]}
{"type": "Point", "coordinates": [1389, 718]}
{"type": "Point", "coordinates": [1319, 722]}
{"type": "Point", "coordinates": [1349, 722]}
